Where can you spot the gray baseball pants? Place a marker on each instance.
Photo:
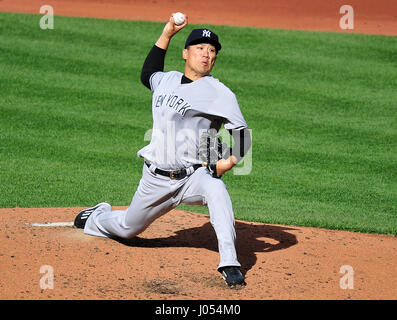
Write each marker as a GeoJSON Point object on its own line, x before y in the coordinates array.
{"type": "Point", "coordinates": [157, 195]}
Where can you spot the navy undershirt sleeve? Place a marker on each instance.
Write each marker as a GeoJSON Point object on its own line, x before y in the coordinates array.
{"type": "Point", "coordinates": [154, 62]}
{"type": "Point", "coordinates": [242, 142]}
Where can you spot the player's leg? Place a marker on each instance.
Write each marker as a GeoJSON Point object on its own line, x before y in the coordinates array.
{"type": "Point", "coordinates": [151, 200]}
{"type": "Point", "coordinates": [203, 189]}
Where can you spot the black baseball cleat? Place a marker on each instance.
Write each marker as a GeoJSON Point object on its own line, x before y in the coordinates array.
{"type": "Point", "coordinates": [82, 216]}
{"type": "Point", "coordinates": [232, 276]}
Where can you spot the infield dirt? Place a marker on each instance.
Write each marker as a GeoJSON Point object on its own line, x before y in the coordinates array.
{"type": "Point", "coordinates": [372, 17]}
{"type": "Point", "coordinates": [176, 258]}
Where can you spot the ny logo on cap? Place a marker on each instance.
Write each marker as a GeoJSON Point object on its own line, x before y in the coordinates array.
{"type": "Point", "coordinates": [206, 33]}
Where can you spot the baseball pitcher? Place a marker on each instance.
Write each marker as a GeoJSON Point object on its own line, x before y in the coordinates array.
{"type": "Point", "coordinates": [184, 161]}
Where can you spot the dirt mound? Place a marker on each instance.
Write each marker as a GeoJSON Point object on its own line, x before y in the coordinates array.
{"type": "Point", "coordinates": [176, 258]}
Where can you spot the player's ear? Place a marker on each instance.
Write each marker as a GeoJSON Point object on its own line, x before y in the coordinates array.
{"type": "Point", "coordinates": [184, 54]}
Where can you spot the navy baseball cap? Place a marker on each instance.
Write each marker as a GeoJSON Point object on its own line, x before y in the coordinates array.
{"type": "Point", "coordinates": [203, 36]}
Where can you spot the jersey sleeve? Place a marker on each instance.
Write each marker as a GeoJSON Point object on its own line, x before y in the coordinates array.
{"type": "Point", "coordinates": [155, 80]}
{"type": "Point", "coordinates": [234, 119]}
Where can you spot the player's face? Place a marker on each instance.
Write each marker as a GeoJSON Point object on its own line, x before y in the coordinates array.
{"type": "Point", "coordinates": [200, 59]}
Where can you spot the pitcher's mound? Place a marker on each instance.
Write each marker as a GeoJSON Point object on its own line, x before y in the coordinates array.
{"type": "Point", "coordinates": [177, 257]}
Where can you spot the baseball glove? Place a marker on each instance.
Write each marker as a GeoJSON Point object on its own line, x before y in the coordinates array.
{"type": "Point", "coordinates": [211, 149]}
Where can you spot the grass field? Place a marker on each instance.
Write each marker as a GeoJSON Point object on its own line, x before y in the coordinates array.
{"type": "Point", "coordinates": [322, 108]}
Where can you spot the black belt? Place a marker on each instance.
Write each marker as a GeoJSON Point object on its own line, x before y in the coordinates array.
{"type": "Point", "coordinates": [178, 174]}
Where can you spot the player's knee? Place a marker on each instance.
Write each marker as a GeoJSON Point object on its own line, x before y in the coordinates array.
{"type": "Point", "coordinates": [131, 232]}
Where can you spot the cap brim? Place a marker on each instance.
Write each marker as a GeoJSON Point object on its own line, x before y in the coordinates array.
{"type": "Point", "coordinates": [216, 44]}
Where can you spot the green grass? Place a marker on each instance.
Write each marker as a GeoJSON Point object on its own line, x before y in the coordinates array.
{"type": "Point", "coordinates": [322, 108]}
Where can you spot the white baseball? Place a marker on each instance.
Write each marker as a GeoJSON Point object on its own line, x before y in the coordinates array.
{"type": "Point", "coordinates": [179, 18]}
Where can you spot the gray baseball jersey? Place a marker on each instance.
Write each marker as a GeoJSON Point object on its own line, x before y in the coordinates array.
{"type": "Point", "coordinates": [181, 112]}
